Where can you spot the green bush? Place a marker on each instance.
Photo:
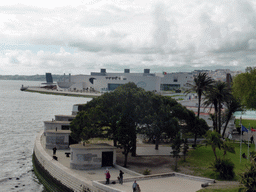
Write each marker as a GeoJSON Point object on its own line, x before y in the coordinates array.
{"type": "Point", "coordinates": [225, 168]}
{"type": "Point", "coordinates": [248, 178]}
{"type": "Point", "coordinates": [146, 172]}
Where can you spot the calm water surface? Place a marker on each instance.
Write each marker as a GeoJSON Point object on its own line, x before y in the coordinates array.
{"type": "Point", "coordinates": [21, 118]}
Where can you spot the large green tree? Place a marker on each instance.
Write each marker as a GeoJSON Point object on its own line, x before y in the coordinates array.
{"type": "Point", "coordinates": [195, 125]}
{"type": "Point", "coordinates": [244, 88]}
{"type": "Point", "coordinates": [202, 82]}
{"type": "Point", "coordinates": [86, 125]}
{"type": "Point", "coordinates": [161, 116]}
{"type": "Point", "coordinates": [112, 108]}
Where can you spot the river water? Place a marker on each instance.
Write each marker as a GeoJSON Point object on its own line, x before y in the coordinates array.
{"type": "Point", "coordinates": [21, 118]}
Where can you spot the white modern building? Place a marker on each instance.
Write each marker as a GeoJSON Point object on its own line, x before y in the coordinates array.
{"type": "Point", "coordinates": [103, 81]}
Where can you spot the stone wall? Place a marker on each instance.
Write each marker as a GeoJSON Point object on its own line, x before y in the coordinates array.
{"type": "Point", "coordinates": [60, 172]}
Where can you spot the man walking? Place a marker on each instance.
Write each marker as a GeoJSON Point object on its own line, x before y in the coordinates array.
{"type": "Point", "coordinates": [54, 150]}
{"type": "Point", "coordinates": [134, 186]}
{"type": "Point", "coordinates": [121, 173]}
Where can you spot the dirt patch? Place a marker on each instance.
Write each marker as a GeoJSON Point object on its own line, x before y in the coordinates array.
{"type": "Point", "coordinates": [164, 164]}
{"type": "Point", "coordinates": [156, 164]}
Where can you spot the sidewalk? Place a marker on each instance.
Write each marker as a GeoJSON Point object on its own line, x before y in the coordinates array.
{"type": "Point", "coordinates": [160, 183]}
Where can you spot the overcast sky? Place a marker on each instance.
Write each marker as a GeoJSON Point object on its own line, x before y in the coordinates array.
{"type": "Point", "coordinates": [82, 36]}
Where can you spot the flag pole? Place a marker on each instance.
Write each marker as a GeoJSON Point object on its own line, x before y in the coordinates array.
{"type": "Point", "coordinates": [248, 143]}
{"type": "Point", "coordinates": [240, 139]}
{"type": "Point", "coordinates": [254, 145]}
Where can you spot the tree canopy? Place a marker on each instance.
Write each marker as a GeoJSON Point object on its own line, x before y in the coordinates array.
{"type": "Point", "coordinates": [244, 88]}
{"type": "Point", "coordinates": [202, 83]}
{"type": "Point", "coordinates": [121, 114]}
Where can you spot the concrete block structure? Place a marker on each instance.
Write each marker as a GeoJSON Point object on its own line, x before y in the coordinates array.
{"type": "Point", "coordinates": [92, 156]}
{"type": "Point", "coordinates": [58, 139]}
{"type": "Point", "coordinates": [64, 117]}
{"type": "Point", "coordinates": [56, 125]}
{"type": "Point", "coordinates": [57, 132]}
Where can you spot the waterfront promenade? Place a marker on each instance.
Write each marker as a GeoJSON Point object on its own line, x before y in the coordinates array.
{"type": "Point", "coordinates": [173, 182]}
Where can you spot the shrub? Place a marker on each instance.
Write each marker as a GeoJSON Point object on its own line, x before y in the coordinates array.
{"type": "Point", "coordinates": [146, 172]}
{"type": "Point", "coordinates": [248, 178]}
{"type": "Point", "coordinates": [225, 168]}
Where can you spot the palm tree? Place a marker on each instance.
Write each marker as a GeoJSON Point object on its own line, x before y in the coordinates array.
{"type": "Point", "coordinates": [213, 139]}
{"type": "Point", "coordinates": [201, 83]}
{"type": "Point", "coordinates": [211, 100]}
{"type": "Point", "coordinates": [217, 96]}
{"type": "Point", "coordinates": [233, 105]}
{"type": "Point", "coordinates": [223, 94]}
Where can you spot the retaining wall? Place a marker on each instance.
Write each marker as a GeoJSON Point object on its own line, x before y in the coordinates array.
{"type": "Point", "coordinates": [60, 172]}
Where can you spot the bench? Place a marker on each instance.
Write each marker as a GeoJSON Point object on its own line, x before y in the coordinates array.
{"type": "Point", "coordinates": [67, 154]}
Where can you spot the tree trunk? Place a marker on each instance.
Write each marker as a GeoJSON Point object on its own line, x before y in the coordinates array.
{"type": "Point", "coordinates": [157, 143]}
{"type": "Point", "coordinates": [115, 142]}
{"type": "Point", "coordinates": [226, 124]}
{"type": "Point", "coordinates": [216, 116]}
{"type": "Point", "coordinates": [195, 139]}
{"type": "Point", "coordinates": [219, 129]}
{"type": "Point", "coordinates": [134, 146]}
{"type": "Point", "coordinates": [125, 159]}
{"type": "Point", "coordinates": [214, 151]}
{"type": "Point", "coordinates": [176, 163]}
{"type": "Point", "coordinates": [199, 105]}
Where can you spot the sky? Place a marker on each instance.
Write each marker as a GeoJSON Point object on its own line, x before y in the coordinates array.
{"type": "Point", "coordinates": [83, 36]}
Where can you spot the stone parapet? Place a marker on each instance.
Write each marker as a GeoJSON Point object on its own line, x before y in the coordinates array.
{"type": "Point", "coordinates": [60, 172]}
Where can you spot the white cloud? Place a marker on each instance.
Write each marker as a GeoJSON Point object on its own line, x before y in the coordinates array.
{"type": "Point", "coordinates": [89, 34]}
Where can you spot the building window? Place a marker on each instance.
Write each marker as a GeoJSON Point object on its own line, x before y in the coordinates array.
{"type": "Point", "coordinates": [112, 87]}
{"type": "Point", "coordinates": [65, 127]}
{"type": "Point", "coordinates": [169, 87]}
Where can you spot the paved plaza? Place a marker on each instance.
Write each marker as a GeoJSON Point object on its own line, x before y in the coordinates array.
{"type": "Point", "coordinates": [150, 184]}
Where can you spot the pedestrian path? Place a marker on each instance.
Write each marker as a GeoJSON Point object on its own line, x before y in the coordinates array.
{"type": "Point", "coordinates": [151, 183]}
{"type": "Point", "coordinates": [150, 150]}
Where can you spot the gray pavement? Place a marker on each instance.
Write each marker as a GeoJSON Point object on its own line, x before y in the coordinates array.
{"type": "Point", "coordinates": [150, 184]}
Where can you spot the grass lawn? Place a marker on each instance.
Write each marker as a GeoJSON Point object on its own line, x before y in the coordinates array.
{"type": "Point", "coordinates": [246, 122]}
{"type": "Point", "coordinates": [228, 189]}
{"type": "Point", "coordinates": [201, 158]}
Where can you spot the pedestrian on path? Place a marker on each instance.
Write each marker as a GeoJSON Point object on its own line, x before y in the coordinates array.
{"type": "Point", "coordinates": [54, 150]}
{"type": "Point", "coordinates": [121, 173]}
{"type": "Point", "coordinates": [107, 177]}
{"type": "Point", "coordinates": [134, 186]}
{"type": "Point", "coordinates": [252, 140]}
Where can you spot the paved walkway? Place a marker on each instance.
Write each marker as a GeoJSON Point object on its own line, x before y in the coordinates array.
{"type": "Point", "coordinates": [150, 150]}
{"type": "Point", "coordinates": [151, 184]}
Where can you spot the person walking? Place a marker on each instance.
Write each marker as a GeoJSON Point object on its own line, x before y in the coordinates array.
{"type": "Point", "coordinates": [134, 186]}
{"type": "Point", "coordinates": [54, 150]}
{"type": "Point", "coordinates": [252, 140]}
{"type": "Point", "coordinates": [121, 173]}
{"type": "Point", "coordinates": [107, 177]}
